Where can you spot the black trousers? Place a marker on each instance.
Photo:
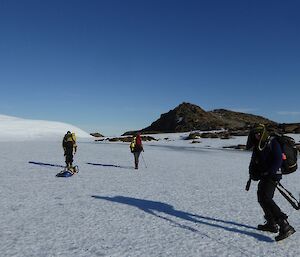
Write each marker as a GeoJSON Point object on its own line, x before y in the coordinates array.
{"type": "Point", "coordinates": [265, 194]}
{"type": "Point", "coordinates": [69, 153]}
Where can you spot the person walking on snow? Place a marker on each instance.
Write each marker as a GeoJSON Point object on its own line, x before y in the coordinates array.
{"type": "Point", "coordinates": [265, 167]}
{"type": "Point", "coordinates": [136, 148]}
{"type": "Point", "coordinates": [70, 148]}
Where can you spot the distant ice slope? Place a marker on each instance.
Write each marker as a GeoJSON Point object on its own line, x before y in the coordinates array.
{"type": "Point", "coordinates": [16, 129]}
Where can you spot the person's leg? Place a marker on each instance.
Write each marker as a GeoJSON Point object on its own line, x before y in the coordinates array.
{"type": "Point", "coordinates": [136, 159]}
{"type": "Point", "coordinates": [265, 193]}
{"type": "Point", "coordinates": [273, 214]}
{"type": "Point", "coordinates": [69, 156]}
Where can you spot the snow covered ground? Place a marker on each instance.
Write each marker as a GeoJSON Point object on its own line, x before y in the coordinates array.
{"type": "Point", "coordinates": [188, 201]}
{"type": "Point", "coordinates": [18, 129]}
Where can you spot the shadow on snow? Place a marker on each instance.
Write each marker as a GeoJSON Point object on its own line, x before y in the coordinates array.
{"type": "Point", "coordinates": [153, 207]}
{"type": "Point", "coordinates": [109, 165]}
{"type": "Point", "coordinates": [94, 164]}
{"type": "Point", "coordinates": [46, 164]}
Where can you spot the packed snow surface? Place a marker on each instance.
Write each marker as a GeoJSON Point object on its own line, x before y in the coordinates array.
{"type": "Point", "coordinates": [184, 200]}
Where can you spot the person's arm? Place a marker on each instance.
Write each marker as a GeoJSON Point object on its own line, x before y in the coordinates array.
{"type": "Point", "coordinates": [63, 144]}
{"type": "Point", "coordinates": [75, 148]}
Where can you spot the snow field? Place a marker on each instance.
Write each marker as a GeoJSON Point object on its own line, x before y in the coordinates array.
{"type": "Point", "coordinates": [189, 201]}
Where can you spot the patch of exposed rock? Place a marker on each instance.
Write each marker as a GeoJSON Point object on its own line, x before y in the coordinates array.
{"type": "Point", "coordinates": [127, 139]}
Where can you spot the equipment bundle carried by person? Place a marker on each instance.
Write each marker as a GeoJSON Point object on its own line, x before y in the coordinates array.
{"type": "Point", "coordinates": [136, 148]}
{"type": "Point", "coordinates": [70, 148]}
{"type": "Point", "coordinates": [270, 159]}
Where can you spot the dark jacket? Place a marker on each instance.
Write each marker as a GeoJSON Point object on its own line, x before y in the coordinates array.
{"type": "Point", "coordinates": [266, 162]}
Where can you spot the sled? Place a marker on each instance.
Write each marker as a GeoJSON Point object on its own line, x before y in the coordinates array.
{"type": "Point", "coordinates": [68, 172]}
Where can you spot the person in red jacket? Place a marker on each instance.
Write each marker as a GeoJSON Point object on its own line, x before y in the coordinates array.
{"type": "Point", "coordinates": [136, 148]}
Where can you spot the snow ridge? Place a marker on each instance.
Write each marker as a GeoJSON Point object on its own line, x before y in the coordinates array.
{"type": "Point", "coordinates": [18, 129]}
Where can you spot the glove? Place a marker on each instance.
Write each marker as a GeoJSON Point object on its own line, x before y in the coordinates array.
{"type": "Point", "coordinates": [255, 175]}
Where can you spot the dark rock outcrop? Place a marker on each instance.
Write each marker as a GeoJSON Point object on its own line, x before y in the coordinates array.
{"type": "Point", "coordinates": [237, 147]}
{"type": "Point", "coordinates": [96, 134]}
{"type": "Point", "coordinates": [185, 117]}
{"type": "Point", "coordinates": [290, 127]}
{"type": "Point", "coordinates": [236, 120]}
{"type": "Point", "coordinates": [126, 139]}
{"type": "Point", "coordinates": [189, 117]}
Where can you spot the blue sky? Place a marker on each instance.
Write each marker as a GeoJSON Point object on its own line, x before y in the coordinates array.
{"type": "Point", "coordinates": [116, 65]}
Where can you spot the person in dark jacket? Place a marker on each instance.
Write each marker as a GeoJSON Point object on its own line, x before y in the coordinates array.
{"type": "Point", "coordinates": [136, 148]}
{"type": "Point", "coordinates": [70, 148]}
{"type": "Point", "coordinates": [265, 167]}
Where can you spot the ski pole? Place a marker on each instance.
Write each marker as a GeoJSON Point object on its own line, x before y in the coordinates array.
{"type": "Point", "coordinates": [288, 196]}
{"type": "Point", "coordinates": [144, 160]}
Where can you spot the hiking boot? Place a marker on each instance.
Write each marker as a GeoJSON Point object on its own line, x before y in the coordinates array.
{"type": "Point", "coordinates": [285, 230]}
{"type": "Point", "coordinates": [268, 226]}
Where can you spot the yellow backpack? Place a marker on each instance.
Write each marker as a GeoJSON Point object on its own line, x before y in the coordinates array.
{"type": "Point", "coordinates": [74, 137]}
{"type": "Point", "coordinates": [132, 144]}
{"type": "Point", "coordinates": [69, 138]}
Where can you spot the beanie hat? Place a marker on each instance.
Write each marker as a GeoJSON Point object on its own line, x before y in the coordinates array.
{"type": "Point", "coordinates": [264, 135]}
{"type": "Point", "coordinates": [253, 141]}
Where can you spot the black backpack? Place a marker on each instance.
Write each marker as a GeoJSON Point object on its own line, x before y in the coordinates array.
{"type": "Point", "coordinates": [289, 153]}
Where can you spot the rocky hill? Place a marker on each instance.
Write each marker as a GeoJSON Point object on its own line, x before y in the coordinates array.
{"type": "Point", "coordinates": [189, 117]}
{"type": "Point", "coordinates": [185, 117]}
{"type": "Point", "coordinates": [239, 120]}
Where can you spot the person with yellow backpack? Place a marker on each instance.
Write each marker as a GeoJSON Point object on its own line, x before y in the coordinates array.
{"type": "Point", "coordinates": [136, 148]}
{"type": "Point", "coordinates": [70, 148]}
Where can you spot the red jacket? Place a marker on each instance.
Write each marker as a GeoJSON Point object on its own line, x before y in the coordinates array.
{"type": "Point", "coordinates": [138, 144]}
